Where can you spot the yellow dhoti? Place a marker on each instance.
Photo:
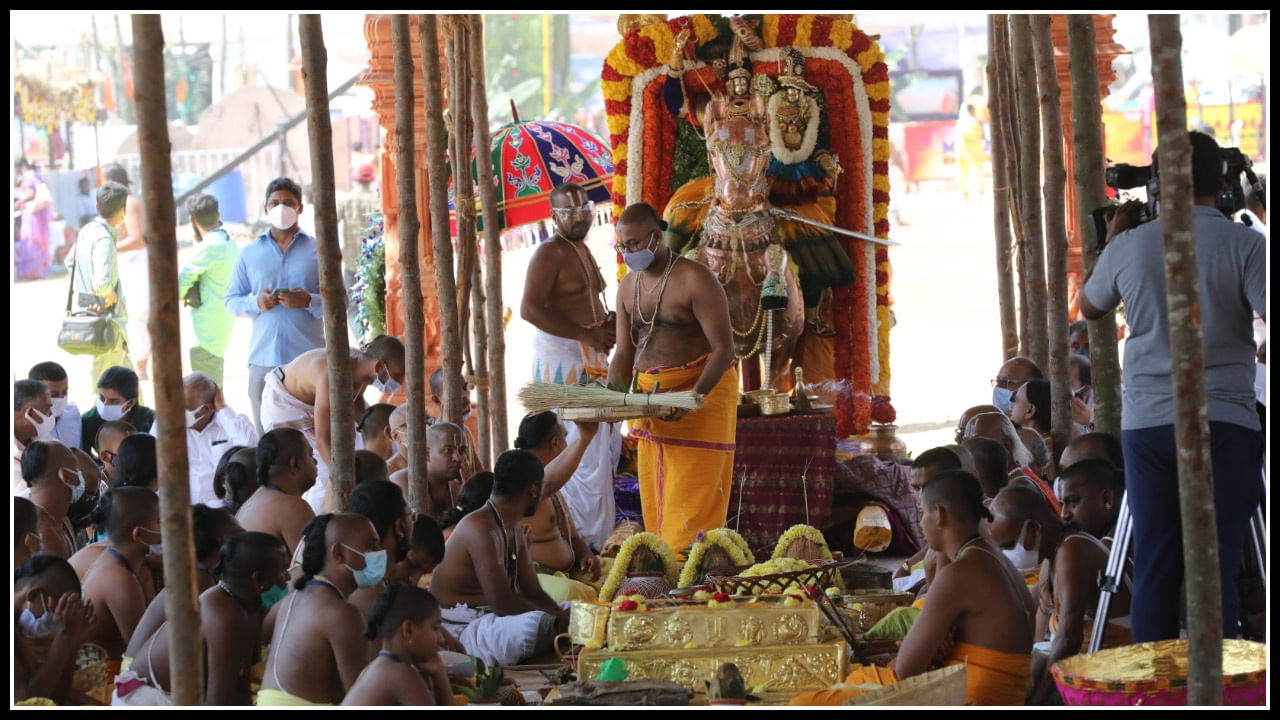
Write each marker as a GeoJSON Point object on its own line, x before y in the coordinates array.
{"type": "Point", "coordinates": [270, 697]}
{"type": "Point", "coordinates": [686, 466]}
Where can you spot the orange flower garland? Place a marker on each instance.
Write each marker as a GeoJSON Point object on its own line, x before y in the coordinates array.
{"type": "Point", "coordinates": [648, 48]}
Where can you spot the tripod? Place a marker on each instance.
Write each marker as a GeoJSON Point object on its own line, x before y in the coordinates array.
{"type": "Point", "coordinates": [1121, 551]}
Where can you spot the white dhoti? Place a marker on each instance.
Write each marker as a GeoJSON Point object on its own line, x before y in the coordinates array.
{"type": "Point", "coordinates": [281, 409]}
{"type": "Point", "coordinates": [589, 493]}
{"type": "Point", "coordinates": [506, 639]}
{"type": "Point", "coordinates": [131, 690]}
{"type": "Point", "coordinates": [135, 285]}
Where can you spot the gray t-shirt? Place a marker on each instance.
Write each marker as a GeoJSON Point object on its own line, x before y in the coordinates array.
{"type": "Point", "coordinates": [1232, 262]}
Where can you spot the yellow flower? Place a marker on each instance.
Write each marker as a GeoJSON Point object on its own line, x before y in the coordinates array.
{"type": "Point", "coordinates": [795, 532]}
{"type": "Point", "coordinates": [804, 28]}
{"type": "Point", "coordinates": [841, 34]}
{"type": "Point", "coordinates": [619, 124]}
{"type": "Point", "coordinates": [690, 645]}
{"type": "Point", "coordinates": [703, 28]}
{"type": "Point", "coordinates": [663, 42]}
{"type": "Point", "coordinates": [881, 183]}
{"type": "Point", "coordinates": [616, 90]}
{"type": "Point", "coordinates": [715, 538]}
{"type": "Point", "coordinates": [618, 573]}
{"type": "Point", "coordinates": [769, 30]}
{"type": "Point", "coordinates": [619, 60]}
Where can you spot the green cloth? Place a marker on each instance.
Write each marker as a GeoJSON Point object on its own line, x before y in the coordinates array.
{"type": "Point", "coordinates": [613, 670]}
{"type": "Point", "coordinates": [211, 267]}
{"type": "Point", "coordinates": [894, 626]}
{"type": "Point", "coordinates": [206, 362]}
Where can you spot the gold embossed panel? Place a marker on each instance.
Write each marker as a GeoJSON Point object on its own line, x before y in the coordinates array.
{"type": "Point", "coordinates": [768, 669]}
{"type": "Point", "coordinates": [698, 626]}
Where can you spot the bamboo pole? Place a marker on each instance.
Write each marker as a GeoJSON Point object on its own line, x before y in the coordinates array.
{"type": "Point", "coordinates": [342, 465]}
{"type": "Point", "coordinates": [410, 268]}
{"type": "Point", "coordinates": [1191, 422]}
{"type": "Point", "coordinates": [1055, 231]}
{"type": "Point", "coordinates": [453, 402]}
{"type": "Point", "coordinates": [997, 55]}
{"type": "Point", "coordinates": [1009, 138]}
{"type": "Point", "coordinates": [1086, 109]}
{"type": "Point", "coordinates": [459, 161]}
{"type": "Point", "coordinates": [484, 440]}
{"type": "Point", "coordinates": [1025, 92]}
{"type": "Point", "coordinates": [492, 240]}
{"type": "Point", "coordinates": [181, 607]}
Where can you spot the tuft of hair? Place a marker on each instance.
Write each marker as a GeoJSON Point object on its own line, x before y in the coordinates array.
{"type": "Point", "coordinates": [135, 463]}
{"type": "Point", "coordinates": [277, 447]}
{"type": "Point", "coordinates": [375, 420]}
{"type": "Point", "coordinates": [515, 471]}
{"type": "Point", "coordinates": [960, 493]}
{"type": "Point", "coordinates": [381, 502]}
{"type": "Point", "coordinates": [232, 482]}
{"type": "Point", "coordinates": [121, 379]}
{"type": "Point", "coordinates": [536, 429]}
{"type": "Point", "coordinates": [205, 523]}
{"type": "Point", "coordinates": [26, 392]}
{"type": "Point", "coordinates": [1077, 326]}
{"type": "Point", "coordinates": [203, 208]}
{"type": "Point", "coordinates": [314, 548]}
{"type": "Point", "coordinates": [246, 553]}
{"type": "Point", "coordinates": [428, 537]}
{"type": "Point", "coordinates": [24, 519]}
{"type": "Point", "coordinates": [47, 571]}
{"type": "Point", "coordinates": [398, 604]}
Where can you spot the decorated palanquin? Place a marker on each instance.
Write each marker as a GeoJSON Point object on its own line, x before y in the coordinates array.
{"type": "Point", "coordinates": [819, 88]}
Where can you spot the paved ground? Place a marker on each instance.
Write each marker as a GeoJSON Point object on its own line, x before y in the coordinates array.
{"type": "Point", "coordinates": [945, 347]}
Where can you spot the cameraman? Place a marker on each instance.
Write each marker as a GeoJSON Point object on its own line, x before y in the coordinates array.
{"type": "Point", "coordinates": [1231, 260]}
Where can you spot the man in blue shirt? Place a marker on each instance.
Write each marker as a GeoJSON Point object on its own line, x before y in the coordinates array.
{"type": "Point", "coordinates": [277, 283]}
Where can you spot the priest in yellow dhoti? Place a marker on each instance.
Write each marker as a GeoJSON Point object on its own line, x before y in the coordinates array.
{"type": "Point", "coordinates": [674, 334]}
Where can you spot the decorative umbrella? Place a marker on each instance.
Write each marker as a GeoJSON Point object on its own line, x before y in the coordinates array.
{"type": "Point", "coordinates": [531, 158]}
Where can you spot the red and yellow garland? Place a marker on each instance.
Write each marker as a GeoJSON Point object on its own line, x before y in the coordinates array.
{"type": "Point", "coordinates": [643, 51]}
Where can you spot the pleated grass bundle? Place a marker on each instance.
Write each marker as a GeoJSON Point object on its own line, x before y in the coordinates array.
{"type": "Point", "coordinates": [542, 396]}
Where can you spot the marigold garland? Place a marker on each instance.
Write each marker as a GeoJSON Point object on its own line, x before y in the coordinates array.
{"type": "Point", "coordinates": [618, 573]}
{"type": "Point", "coordinates": [691, 571]}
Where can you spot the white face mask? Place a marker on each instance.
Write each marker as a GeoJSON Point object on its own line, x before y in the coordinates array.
{"type": "Point", "coordinates": [1020, 557]}
{"type": "Point", "coordinates": [36, 627]}
{"type": "Point", "coordinates": [110, 413]}
{"type": "Point", "coordinates": [387, 386]}
{"type": "Point", "coordinates": [395, 448]}
{"type": "Point", "coordinates": [43, 424]}
{"type": "Point", "coordinates": [59, 407]}
{"type": "Point", "coordinates": [77, 488]}
{"type": "Point", "coordinates": [282, 217]}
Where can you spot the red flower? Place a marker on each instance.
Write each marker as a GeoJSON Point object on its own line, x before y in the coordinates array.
{"type": "Point", "coordinates": [721, 597]}
{"type": "Point", "coordinates": [628, 605]}
{"type": "Point", "coordinates": [882, 410]}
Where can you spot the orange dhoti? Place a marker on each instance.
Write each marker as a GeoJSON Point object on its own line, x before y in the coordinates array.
{"type": "Point", "coordinates": [686, 466]}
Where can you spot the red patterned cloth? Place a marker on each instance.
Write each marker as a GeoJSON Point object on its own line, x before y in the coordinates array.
{"type": "Point", "coordinates": [782, 475]}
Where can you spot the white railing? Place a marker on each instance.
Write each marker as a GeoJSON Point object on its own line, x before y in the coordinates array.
{"type": "Point", "coordinates": [259, 170]}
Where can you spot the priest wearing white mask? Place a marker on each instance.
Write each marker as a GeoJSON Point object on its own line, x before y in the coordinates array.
{"type": "Point", "coordinates": [32, 420]}
{"type": "Point", "coordinates": [277, 283]}
{"type": "Point", "coordinates": [212, 428]}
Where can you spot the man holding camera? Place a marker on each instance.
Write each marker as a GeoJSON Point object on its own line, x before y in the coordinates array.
{"type": "Point", "coordinates": [277, 283]}
{"type": "Point", "coordinates": [1231, 260]}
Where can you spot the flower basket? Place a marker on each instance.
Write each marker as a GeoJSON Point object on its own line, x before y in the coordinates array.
{"type": "Point", "coordinates": [731, 583]}
{"type": "Point", "coordinates": [1155, 673]}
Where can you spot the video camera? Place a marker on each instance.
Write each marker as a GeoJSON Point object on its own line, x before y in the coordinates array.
{"type": "Point", "coordinates": [1123, 176]}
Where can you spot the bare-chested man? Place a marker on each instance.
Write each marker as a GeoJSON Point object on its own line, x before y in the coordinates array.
{"type": "Point", "coordinates": [489, 594]}
{"type": "Point", "coordinates": [286, 470]}
{"type": "Point", "coordinates": [1068, 589]}
{"type": "Point", "coordinates": [47, 604]}
{"type": "Point", "coordinates": [447, 453]}
{"type": "Point", "coordinates": [383, 504]}
{"type": "Point", "coordinates": [564, 300]}
{"type": "Point", "coordinates": [398, 425]}
{"type": "Point", "coordinates": [674, 331]}
{"type": "Point", "coordinates": [979, 610]}
{"type": "Point", "coordinates": [408, 670]}
{"type": "Point", "coordinates": [55, 481]}
{"type": "Point", "coordinates": [555, 545]}
{"type": "Point", "coordinates": [924, 468]}
{"type": "Point", "coordinates": [112, 584]}
{"type": "Point", "coordinates": [375, 429]}
{"type": "Point", "coordinates": [1090, 491]}
{"type": "Point", "coordinates": [318, 647]}
{"type": "Point", "coordinates": [253, 575]}
{"type": "Point", "coordinates": [297, 396]}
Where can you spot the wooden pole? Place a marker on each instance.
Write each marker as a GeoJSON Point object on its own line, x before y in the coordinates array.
{"type": "Point", "coordinates": [997, 54]}
{"type": "Point", "coordinates": [462, 198]}
{"type": "Point", "coordinates": [410, 268]}
{"type": "Point", "coordinates": [1086, 110]}
{"type": "Point", "coordinates": [181, 607]}
{"type": "Point", "coordinates": [342, 465]}
{"type": "Point", "coordinates": [1055, 231]}
{"type": "Point", "coordinates": [441, 243]}
{"type": "Point", "coordinates": [1186, 341]}
{"type": "Point", "coordinates": [492, 240]}
{"type": "Point", "coordinates": [1025, 92]}
{"type": "Point", "coordinates": [1009, 137]}
{"type": "Point", "coordinates": [484, 431]}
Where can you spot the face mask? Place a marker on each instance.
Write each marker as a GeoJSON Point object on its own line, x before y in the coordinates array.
{"type": "Point", "coordinates": [59, 407]}
{"type": "Point", "coordinates": [375, 568]}
{"type": "Point", "coordinates": [38, 627]}
{"type": "Point", "coordinates": [192, 418]}
{"type": "Point", "coordinates": [387, 386]}
{"type": "Point", "coordinates": [638, 260]}
{"type": "Point", "coordinates": [282, 217]}
{"type": "Point", "coordinates": [395, 448]}
{"type": "Point", "coordinates": [1002, 398]}
{"type": "Point", "coordinates": [110, 413]}
{"type": "Point", "coordinates": [157, 549]}
{"type": "Point", "coordinates": [1020, 557]}
{"type": "Point", "coordinates": [77, 488]}
{"type": "Point", "coordinates": [43, 424]}
{"type": "Point", "coordinates": [272, 595]}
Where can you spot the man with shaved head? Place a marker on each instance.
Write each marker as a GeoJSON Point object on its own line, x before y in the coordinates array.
{"type": "Point", "coordinates": [398, 426]}
{"type": "Point", "coordinates": [924, 468]}
{"type": "Point", "coordinates": [1013, 374]}
{"type": "Point", "coordinates": [1023, 525]}
{"type": "Point", "coordinates": [674, 334]}
{"type": "Point", "coordinates": [998, 427]}
{"type": "Point", "coordinates": [113, 582]}
{"type": "Point", "coordinates": [1093, 445]}
{"type": "Point", "coordinates": [375, 429]}
{"type": "Point", "coordinates": [55, 483]}
{"type": "Point", "coordinates": [106, 441]}
{"type": "Point", "coordinates": [253, 575]}
{"type": "Point", "coordinates": [318, 647]}
{"type": "Point", "coordinates": [967, 415]}
{"type": "Point", "coordinates": [1090, 491]}
{"type": "Point", "coordinates": [992, 463]}
{"type": "Point", "coordinates": [212, 427]}
{"type": "Point", "coordinates": [447, 453]}
{"type": "Point", "coordinates": [286, 470]}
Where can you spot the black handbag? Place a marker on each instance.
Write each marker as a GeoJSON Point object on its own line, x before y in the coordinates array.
{"type": "Point", "coordinates": [85, 332]}
{"type": "Point", "coordinates": [192, 298]}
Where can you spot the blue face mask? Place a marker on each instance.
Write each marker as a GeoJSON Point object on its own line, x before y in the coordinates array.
{"type": "Point", "coordinates": [272, 595]}
{"type": "Point", "coordinates": [638, 260]}
{"type": "Point", "coordinates": [375, 568]}
{"type": "Point", "coordinates": [1003, 399]}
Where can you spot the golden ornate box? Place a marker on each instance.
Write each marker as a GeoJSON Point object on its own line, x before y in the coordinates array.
{"type": "Point", "coordinates": [694, 626]}
{"type": "Point", "coordinates": [786, 669]}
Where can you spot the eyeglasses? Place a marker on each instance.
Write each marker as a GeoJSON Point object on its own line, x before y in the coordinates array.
{"type": "Point", "coordinates": [1006, 383]}
{"type": "Point", "coordinates": [586, 207]}
{"type": "Point", "coordinates": [632, 247]}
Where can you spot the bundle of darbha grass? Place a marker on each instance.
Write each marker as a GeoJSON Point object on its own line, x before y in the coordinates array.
{"type": "Point", "coordinates": [541, 396]}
